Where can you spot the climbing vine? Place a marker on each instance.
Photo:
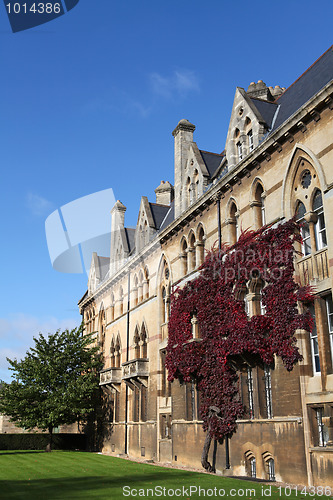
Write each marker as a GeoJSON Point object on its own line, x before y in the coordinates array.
{"type": "Point", "coordinates": [228, 338]}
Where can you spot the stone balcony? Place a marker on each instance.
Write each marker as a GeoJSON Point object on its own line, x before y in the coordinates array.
{"type": "Point", "coordinates": [110, 376]}
{"type": "Point", "coordinates": [313, 267]}
{"type": "Point", "coordinates": [135, 372]}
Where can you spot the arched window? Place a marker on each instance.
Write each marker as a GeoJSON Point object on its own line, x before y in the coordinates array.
{"type": "Point", "coordinates": [140, 287]}
{"type": "Point", "coordinates": [145, 287]}
{"type": "Point", "coordinates": [253, 467]}
{"type": "Point", "coordinates": [183, 256]}
{"type": "Point", "coordinates": [117, 353]}
{"type": "Point", "coordinates": [201, 246]}
{"type": "Point", "coordinates": [188, 191]}
{"type": "Point", "coordinates": [259, 207]}
{"type": "Point", "coordinates": [233, 223]}
{"type": "Point", "coordinates": [191, 250]}
{"type": "Point", "coordinates": [271, 469]}
{"type": "Point", "coordinates": [250, 143]}
{"type": "Point", "coordinates": [305, 230]}
{"type": "Point", "coordinates": [320, 229]}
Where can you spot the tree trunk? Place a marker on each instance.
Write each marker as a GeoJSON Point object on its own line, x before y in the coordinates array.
{"type": "Point", "coordinates": [204, 457]}
{"type": "Point", "coordinates": [49, 446]}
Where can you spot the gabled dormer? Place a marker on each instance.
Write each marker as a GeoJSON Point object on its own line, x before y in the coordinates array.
{"type": "Point", "coordinates": [152, 215]}
{"type": "Point", "coordinates": [252, 116]}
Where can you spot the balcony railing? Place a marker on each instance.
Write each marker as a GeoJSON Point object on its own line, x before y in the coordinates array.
{"type": "Point", "coordinates": [136, 372]}
{"type": "Point", "coordinates": [313, 267]}
{"type": "Point", "coordinates": [110, 376]}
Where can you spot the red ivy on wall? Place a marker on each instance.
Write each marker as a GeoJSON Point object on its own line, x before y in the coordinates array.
{"type": "Point", "coordinates": [229, 339]}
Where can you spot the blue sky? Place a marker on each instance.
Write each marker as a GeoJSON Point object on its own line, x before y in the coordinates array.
{"type": "Point", "coordinates": [89, 101]}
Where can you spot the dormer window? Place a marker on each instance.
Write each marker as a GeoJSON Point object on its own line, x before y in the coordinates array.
{"type": "Point", "coordinates": [250, 140]}
{"type": "Point", "coordinates": [239, 151]}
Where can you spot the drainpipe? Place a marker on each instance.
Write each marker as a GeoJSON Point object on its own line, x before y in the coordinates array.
{"type": "Point", "coordinates": [218, 207]}
{"type": "Point", "coordinates": [127, 358]}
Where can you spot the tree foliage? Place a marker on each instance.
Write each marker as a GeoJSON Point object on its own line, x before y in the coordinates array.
{"type": "Point", "coordinates": [56, 382]}
{"type": "Point", "coordinates": [229, 339]}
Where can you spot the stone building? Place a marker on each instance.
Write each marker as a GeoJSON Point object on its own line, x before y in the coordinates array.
{"type": "Point", "coordinates": [277, 160]}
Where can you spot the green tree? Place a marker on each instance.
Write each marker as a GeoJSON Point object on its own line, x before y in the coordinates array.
{"type": "Point", "coordinates": [55, 384]}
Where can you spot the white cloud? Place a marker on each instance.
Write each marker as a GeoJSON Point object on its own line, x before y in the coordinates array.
{"type": "Point", "coordinates": [38, 205]}
{"type": "Point", "coordinates": [17, 332]}
{"type": "Point", "coordinates": [181, 82]}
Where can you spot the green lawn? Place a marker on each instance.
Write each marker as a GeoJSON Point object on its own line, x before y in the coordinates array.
{"type": "Point", "coordinates": [78, 476]}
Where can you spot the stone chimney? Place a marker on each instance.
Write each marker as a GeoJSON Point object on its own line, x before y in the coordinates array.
{"type": "Point", "coordinates": [164, 193]}
{"type": "Point", "coordinates": [261, 91]}
{"type": "Point", "coordinates": [183, 135]}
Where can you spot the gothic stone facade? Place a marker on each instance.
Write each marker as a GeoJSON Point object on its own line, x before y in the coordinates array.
{"type": "Point", "coordinates": [277, 161]}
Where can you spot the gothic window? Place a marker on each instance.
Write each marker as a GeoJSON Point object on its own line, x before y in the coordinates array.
{"type": "Point", "coordinates": [249, 382]}
{"type": "Point", "coordinates": [268, 392]}
{"type": "Point", "coordinates": [201, 246]}
{"type": "Point", "coordinates": [305, 229]}
{"type": "Point", "coordinates": [233, 223]}
{"type": "Point", "coordinates": [189, 191]}
{"type": "Point", "coordinates": [183, 255]}
{"type": "Point", "coordinates": [250, 141]}
{"type": "Point", "coordinates": [164, 306]}
{"type": "Point", "coordinates": [259, 206]}
{"type": "Point", "coordinates": [117, 353]}
{"type": "Point", "coordinates": [321, 428]}
{"type": "Point", "coordinates": [145, 288]}
{"type": "Point", "coordinates": [239, 150]}
{"type": "Point", "coordinates": [253, 467]}
{"type": "Point", "coordinates": [271, 469]}
{"type": "Point", "coordinates": [165, 384]}
{"type": "Point", "coordinates": [329, 312]}
{"type": "Point", "coordinates": [191, 252]}
{"type": "Point", "coordinates": [320, 229]}
{"type": "Point", "coordinates": [314, 344]}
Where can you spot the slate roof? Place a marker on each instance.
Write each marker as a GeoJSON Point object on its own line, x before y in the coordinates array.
{"type": "Point", "coordinates": [305, 87]}
{"type": "Point", "coordinates": [266, 109]}
{"type": "Point", "coordinates": [158, 212]}
{"type": "Point", "coordinates": [130, 235]}
{"type": "Point", "coordinates": [212, 161]}
{"type": "Point", "coordinates": [104, 266]}
{"type": "Point", "coordinates": [170, 216]}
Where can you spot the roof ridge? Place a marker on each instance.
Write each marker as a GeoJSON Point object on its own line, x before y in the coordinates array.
{"type": "Point", "coordinates": [159, 204]}
{"type": "Point", "coordinates": [209, 152]}
{"type": "Point", "coordinates": [262, 100]}
{"type": "Point", "coordinates": [330, 48]}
